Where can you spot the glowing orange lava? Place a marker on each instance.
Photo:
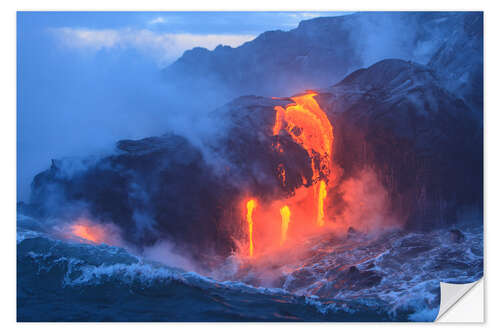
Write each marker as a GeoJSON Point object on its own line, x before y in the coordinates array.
{"type": "Point", "coordinates": [308, 126]}
{"type": "Point", "coordinates": [321, 199]}
{"type": "Point", "coordinates": [251, 204]}
{"type": "Point", "coordinates": [90, 233]}
{"type": "Point", "coordinates": [285, 219]}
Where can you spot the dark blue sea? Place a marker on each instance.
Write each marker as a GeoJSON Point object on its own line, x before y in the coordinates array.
{"type": "Point", "coordinates": [389, 277]}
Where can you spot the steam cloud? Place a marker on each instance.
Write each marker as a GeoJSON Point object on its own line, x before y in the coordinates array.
{"type": "Point", "coordinates": [365, 203]}
{"type": "Point", "coordinates": [86, 111]}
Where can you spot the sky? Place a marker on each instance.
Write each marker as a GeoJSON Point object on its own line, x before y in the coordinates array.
{"type": "Point", "coordinates": [88, 79]}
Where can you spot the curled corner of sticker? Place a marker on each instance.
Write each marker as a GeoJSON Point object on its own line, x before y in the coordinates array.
{"type": "Point", "coordinates": [454, 295]}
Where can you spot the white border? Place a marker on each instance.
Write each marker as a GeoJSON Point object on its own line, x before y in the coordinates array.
{"type": "Point", "coordinates": [8, 152]}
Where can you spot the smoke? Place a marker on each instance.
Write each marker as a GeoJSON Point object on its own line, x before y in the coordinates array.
{"type": "Point", "coordinates": [378, 36]}
{"type": "Point", "coordinates": [364, 204]}
{"type": "Point", "coordinates": [166, 253]}
{"type": "Point", "coordinates": [87, 229]}
{"type": "Point", "coordinates": [75, 104]}
{"type": "Point", "coordinates": [72, 103]}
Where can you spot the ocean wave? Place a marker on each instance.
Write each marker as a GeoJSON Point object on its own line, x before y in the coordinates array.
{"type": "Point", "coordinates": [399, 281]}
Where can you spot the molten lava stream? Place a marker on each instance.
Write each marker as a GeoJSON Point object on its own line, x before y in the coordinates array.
{"type": "Point", "coordinates": [251, 204]}
{"type": "Point", "coordinates": [309, 127]}
{"type": "Point", "coordinates": [321, 199]}
{"type": "Point", "coordinates": [285, 219]}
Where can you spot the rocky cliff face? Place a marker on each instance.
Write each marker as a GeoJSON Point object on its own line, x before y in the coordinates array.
{"type": "Point", "coordinates": [418, 127]}
{"type": "Point", "coordinates": [154, 188]}
{"type": "Point", "coordinates": [321, 51]}
{"type": "Point", "coordinates": [459, 61]}
{"type": "Point", "coordinates": [421, 139]}
{"type": "Point", "coordinates": [392, 117]}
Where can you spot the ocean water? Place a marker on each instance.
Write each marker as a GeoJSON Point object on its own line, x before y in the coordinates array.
{"type": "Point", "coordinates": [389, 277]}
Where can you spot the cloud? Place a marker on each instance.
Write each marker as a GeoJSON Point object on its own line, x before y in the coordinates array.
{"type": "Point", "coordinates": [305, 16]}
{"type": "Point", "coordinates": [158, 20]}
{"type": "Point", "coordinates": [294, 18]}
{"type": "Point", "coordinates": [162, 47]}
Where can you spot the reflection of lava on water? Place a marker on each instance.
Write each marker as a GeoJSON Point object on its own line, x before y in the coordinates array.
{"type": "Point", "coordinates": [308, 126]}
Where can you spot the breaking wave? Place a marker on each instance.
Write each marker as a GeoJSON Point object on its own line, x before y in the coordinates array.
{"type": "Point", "coordinates": [393, 277]}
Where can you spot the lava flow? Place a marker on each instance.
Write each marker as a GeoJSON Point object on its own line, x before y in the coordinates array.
{"type": "Point", "coordinates": [285, 219]}
{"type": "Point", "coordinates": [321, 203]}
{"type": "Point", "coordinates": [86, 231]}
{"type": "Point", "coordinates": [89, 232]}
{"type": "Point", "coordinates": [251, 204]}
{"type": "Point", "coordinates": [307, 125]}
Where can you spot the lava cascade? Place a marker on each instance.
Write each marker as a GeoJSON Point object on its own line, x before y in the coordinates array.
{"type": "Point", "coordinates": [251, 204]}
{"type": "Point", "coordinates": [285, 219]}
{"type": "Point", "coordinates": [304, 210]}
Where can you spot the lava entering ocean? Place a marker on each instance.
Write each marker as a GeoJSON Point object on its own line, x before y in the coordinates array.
{"type": "Point", "coordinates": [285, 219]}
{"type": "Point", "coordinates": [89, 233]}
{"type": "Point", "coordinates": [251, 204]}
{"type": "Point", "coordinates": [86, 231]}
{"type": "Point", "coordinates": [304, 210]}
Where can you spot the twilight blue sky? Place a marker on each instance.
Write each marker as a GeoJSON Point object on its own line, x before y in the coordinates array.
{"type": "Point", "coordinates": [87, 79]}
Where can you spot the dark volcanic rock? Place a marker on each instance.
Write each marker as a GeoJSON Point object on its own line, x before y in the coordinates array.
{"type": "Point", "coordinates": [459, 61]}
{"type": "Point", "coordinates": [320, 52]}
{"type": "Point", "coordinates": [393, 117]}
{"type": "Point", "coordinates": [146, 145]}
{"type": "Point", "coordinates": [351, 279]}
{"type": "Point", "coordinates": [300, 279]}
{"type": "Point", "coordinates": [248, 145]}
{"type": "Point", "coordinates": [422, 141]}
{"type": "Point", "coordinates": [352, 233]}
{"type": "Point", "coordinates": [159, 188]}
{"type": "Point", "coordinates": [456, 236]}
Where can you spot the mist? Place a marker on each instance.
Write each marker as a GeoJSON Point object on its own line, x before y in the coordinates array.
{"type": "Point", "coordinates": [87, 80]}
{"type": "Point", "coordinates": [401, 35]}
{"type": "Point", "coordinates": [74, 104]}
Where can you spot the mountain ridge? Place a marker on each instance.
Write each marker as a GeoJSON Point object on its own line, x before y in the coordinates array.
{"type": "Point", "coordinates": [321, 51]}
